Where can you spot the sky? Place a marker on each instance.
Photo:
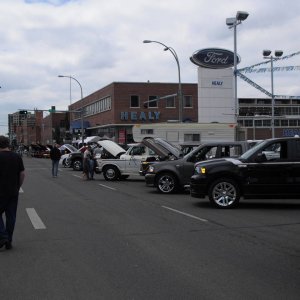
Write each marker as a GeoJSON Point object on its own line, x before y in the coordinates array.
{"type": "Point", "coordinates": [99, 42]}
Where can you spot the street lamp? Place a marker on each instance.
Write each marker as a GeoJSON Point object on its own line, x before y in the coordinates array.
{"type": "Point", "coordinates": [267, 55]}
{"type": "Point", "coordinates": [232, 23]}
{"type": "Point", "coordinates": [180, 102]}
{"type": "Point", "coordinates": [82, 135]}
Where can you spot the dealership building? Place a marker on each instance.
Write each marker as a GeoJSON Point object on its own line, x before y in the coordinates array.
{"type": "Point", "coordinates": [113, 110]}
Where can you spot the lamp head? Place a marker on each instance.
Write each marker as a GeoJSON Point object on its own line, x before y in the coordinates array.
{"type": "Point", "coordinates": [60, 76]}
{"type": "Point", "coordinates": [266, 52]}
{"type": "Point", "coordinates": [147, 41]}
{"type": "Point", "coordinates": [278, 53]}
{"type": "Point", "coordinates": [230, 21]}
{"type": "Point", "coordinates": [241, 15]}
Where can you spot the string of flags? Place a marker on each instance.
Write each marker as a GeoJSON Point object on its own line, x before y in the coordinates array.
{"type": "Point", "coordinates": [275, 69]}
{"type": "Point", "coordinates": [262, 70]}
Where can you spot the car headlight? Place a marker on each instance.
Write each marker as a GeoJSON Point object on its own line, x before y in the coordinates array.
{"type": "Point", "coordinates": [150, 169]}
{"type": "Point", "coordinates": [200, 170]}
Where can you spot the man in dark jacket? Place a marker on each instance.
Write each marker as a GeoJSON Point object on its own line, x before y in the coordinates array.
{"type": "Point", "coordinates": [55, 155]}
{"type": "Point", "coordinates": [11, 178]}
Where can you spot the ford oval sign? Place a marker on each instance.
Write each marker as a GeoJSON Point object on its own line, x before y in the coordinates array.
{"type": "Point", "coordinates": [214, 58]}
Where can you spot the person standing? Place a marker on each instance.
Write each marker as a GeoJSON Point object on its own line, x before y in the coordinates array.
{"type": "Point", "coordinates": [55, 155]}
{"type": "Point", "coordinates": [92, 165]}
{"type": "Point", "coordinates": [87, 156]}
{"type": "Point", "coordinates": [12, 174]}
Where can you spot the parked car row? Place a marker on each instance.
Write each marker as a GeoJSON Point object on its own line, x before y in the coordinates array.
{"type": "Point", "coordinates": [222, 171]}
{"type": "Point", "coordinates": [174, 174]}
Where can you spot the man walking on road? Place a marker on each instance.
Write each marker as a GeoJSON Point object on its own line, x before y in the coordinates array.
{"type": "Point", "coordinates": [55, 155]}
{"type": "Point", "coordinates": [12, 175]}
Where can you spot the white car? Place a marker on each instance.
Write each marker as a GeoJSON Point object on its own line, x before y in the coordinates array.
{"type": "Point", "coordinates": [66, 149]}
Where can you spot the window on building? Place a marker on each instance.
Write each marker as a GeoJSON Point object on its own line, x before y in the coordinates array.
{"type": "Point", "coordinates": [288, 110]}
{"type": "Point", "coordinates": [187, 101]}
{"type": "Point", "coordinates": [246, 101]}
{"type": "Point", "coordinates": [266, 123]}
{"type": "Point", "coordinates": [191, 137]}
{"type": "Point", "coordinates": [152, 103]}
{"type": "Point", "coordinates": [295, 111]}
{"type": "Point", "coordinates": [170, 102]}
{"type": "Point", "coordinates": [258, 123]}
{"type": "Point", "coordinates": [147, 131]}
{"type": "Point", "coordinates": [284, 123]}
{"type": "Point", "coordinates": [134, 101]}
{"type": "Point", "coordinates": [248, 123]}
{"type": "Point", "coordinates": [293, 123]}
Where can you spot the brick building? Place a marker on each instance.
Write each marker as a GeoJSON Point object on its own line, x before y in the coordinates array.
{"type": "Point", "coordinates": [33, 128]}
{"type": "Point", "coordinates": [25, 128]}
{"type": "Point", "coordinates": [112, 111]}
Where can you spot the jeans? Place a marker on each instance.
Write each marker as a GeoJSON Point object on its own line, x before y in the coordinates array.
{"type": "Point", "coordinates": [55, 167]}
{"type": "Point", "coordinates": [91, 168]}
{"type": "Point", "coordinates": [8, 205]}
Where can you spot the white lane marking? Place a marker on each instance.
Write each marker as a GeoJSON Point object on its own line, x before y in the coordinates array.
{"type": "Point", "coordinates": [35, 219]}
{"type": "Point", "coordinates": [183, 213]}
{"type": "Point", "coordinates": [77, 176]}
{"type": "Point", "coordinates": [108, 187]}
{"type": "Point", "coordinates": [21, 190]}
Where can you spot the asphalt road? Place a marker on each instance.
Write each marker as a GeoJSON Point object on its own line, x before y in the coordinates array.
{"type": "Point", "coordinates": [78, 239]}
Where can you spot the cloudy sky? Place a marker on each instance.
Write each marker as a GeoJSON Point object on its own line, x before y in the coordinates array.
{"type": "Point", "coordinates": [99, 42]}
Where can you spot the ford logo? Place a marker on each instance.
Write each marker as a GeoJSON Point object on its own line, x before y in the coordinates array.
{"type": "Point", "coordinates": [214, 58]}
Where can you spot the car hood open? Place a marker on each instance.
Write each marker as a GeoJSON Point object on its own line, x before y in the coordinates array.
{"type": "Point", "coordinates": [162, 147]}
{"type": "Point", "coordinates": [111, 147]}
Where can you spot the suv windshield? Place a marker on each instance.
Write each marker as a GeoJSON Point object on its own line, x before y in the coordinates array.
{"type": "Point", "coordinates": [248, 153]}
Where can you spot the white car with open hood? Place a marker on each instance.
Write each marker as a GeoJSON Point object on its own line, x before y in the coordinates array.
{"type": "Point", "coordinates": [130, 161]}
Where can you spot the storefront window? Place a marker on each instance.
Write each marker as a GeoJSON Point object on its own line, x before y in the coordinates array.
{"type": "Point", "coordinates": [134, 101]}
{"type": "Point", "coordinates": [187, 101]}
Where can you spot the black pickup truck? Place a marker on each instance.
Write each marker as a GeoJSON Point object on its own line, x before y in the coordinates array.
{"type": "Point", "coordinates": [172, 175]}
{"type": "Point", "coordinates": [269, 170]}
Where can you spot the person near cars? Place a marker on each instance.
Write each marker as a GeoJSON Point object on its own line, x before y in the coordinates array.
{"type": "Point", "coordinates": [87, 157]}
{"type": "Point", "coordinates": [55, 155]}
{"type": "Point", "coordinates": [12, 174]}
{"type": "Point", "coordinates": [97, 151]}
{"type": "Point", "coordinates": [92, 164]}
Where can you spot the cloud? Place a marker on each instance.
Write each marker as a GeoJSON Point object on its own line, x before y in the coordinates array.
{"type": "Point", "coordinates": [99, 42]}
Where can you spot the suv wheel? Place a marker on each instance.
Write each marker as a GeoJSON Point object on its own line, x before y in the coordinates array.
{"type": "Point", "coordinates": [224, 193]}
{"type": "Point", "coordinates": [167, 183]}
{"type": "Point", "coordinates": [77, 165]}
{"type": "Point", "coordinates": [111, 173]}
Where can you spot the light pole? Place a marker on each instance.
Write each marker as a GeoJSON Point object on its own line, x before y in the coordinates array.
{"type": "Point", "coordinates": [180, 96]}
{"type": "Point", "coordinates": [81, 112]}
{"type": "Point", "coordinates": [232, 23]}
{"type": "Point", "coordinates": [267, 55]}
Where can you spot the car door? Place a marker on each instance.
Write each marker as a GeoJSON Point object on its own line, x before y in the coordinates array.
{"type": "Point", "coordinates": [270, 177]}
{"type": "Point", "coordinates": [294, 169]}
{"type": "Point", "coordinates": [202, 153]}
{"type": "Point", "coordinates": [134, 158]}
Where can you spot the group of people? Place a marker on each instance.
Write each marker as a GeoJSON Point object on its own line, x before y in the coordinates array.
{"type": "Point", "coordinates": [89, 156]}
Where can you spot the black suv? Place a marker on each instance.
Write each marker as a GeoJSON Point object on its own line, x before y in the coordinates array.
{"type": "Point", "coordinates": [271, 169]}
{"type": "Point", "coordinates": [172, 175]}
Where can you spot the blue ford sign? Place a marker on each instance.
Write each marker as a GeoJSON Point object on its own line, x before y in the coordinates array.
{"type": "Point", "coordinates": [214, 58]}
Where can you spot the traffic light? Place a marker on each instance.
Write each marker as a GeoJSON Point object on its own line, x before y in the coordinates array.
{"type": "Point", "coordinates": [23, 112]}
{"type": "Point", "coordinates": [52, 110]}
